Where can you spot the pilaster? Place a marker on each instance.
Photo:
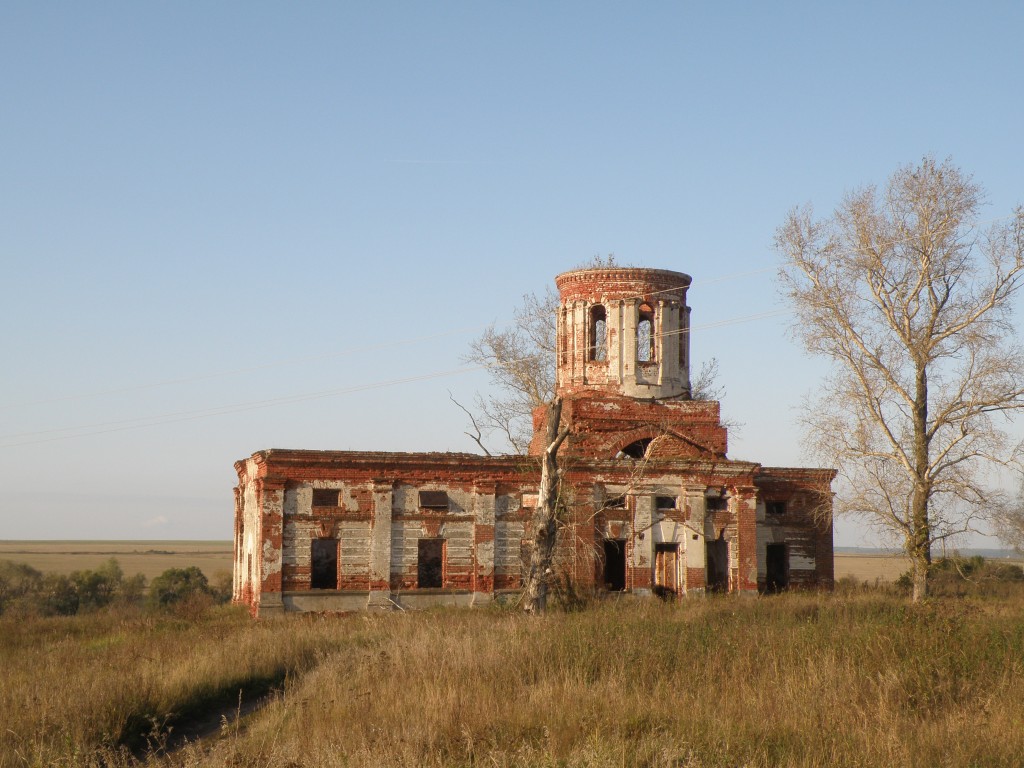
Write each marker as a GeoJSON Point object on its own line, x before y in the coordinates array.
{"type": "Point", "coordinates": [380, 545]}
{"type": "Point", "coordinates": [483, 541]}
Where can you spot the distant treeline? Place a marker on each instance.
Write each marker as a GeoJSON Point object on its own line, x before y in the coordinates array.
{"type": "Point", "coordinates": [26, 590]}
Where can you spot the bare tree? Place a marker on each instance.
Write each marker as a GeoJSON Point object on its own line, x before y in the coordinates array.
{"type": "Point", "coordinates": [705, 385]}
{"type": "Point", "coordinates": [910, 297]}
{"type": "Point", "coordinates": [1008, 520]}
{"type": "Point", "coordinates": [521, 363]}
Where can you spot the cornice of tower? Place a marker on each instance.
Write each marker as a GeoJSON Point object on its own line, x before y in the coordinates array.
{"type": "Point", "coordinates": [613, 283]}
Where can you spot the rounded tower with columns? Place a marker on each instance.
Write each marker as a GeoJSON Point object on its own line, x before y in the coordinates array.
{"type": "Point", "coordinates": [624, 330]}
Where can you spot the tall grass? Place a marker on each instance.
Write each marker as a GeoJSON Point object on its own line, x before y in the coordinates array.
{"type": "Point", "coordinates": [798, 680]}
{"type": "Point", "coordinates": [84, 690]}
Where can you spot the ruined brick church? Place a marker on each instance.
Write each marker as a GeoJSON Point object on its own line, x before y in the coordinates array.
{"type": "Point", "coordinates": [652, 503]}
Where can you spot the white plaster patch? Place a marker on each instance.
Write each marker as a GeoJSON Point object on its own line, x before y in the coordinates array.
{"type": "Point", "coordinates": [271, 559]}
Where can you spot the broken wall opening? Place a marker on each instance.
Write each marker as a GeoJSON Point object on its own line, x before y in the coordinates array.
{"type": "Point", "coordinates": [638, 448]}
{"type": "Point", "coordinates": [614, 575]}
{"type": "Point", "coordinates": [430, 564]}
{"type": "Point", "coordinates": [776, 562]}
{"type": "Point", "coordinates": [324, 564]}
{"type": "Point", "coordinates": [717, 563]}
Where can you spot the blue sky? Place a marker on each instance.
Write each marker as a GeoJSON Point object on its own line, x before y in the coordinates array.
{"type": "Point", "coordinates": [209, 205]}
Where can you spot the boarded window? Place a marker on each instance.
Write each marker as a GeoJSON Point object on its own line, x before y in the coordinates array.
{"type": "Point", "coordinates": [775, 507]}
{"type": "Point", "coordinates": [434, 499]}
{"type": "Point", "coordinates": [598, 333]}
{"type": "Point", "coordinates": [325, 497]}
{"type": "Point", "coordinates": [665, 502]}
{"type": "Point", "coordinates": [430, 564]}
{"type": "Point", "coordinates": [324, 564]}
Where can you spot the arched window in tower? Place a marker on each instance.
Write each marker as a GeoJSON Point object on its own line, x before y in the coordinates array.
{"type": "Point", "coordinates": [598, 333]}
{"type": "Point", "coordinates": [563, 342]}
{"type": "Point", "coordinates": [645, 334]}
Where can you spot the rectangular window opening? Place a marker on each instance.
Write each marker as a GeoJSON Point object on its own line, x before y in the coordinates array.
{"type": "Point", "coordinates": [716, 504]}
{"type": "Point", "coordinates": [665, 502]}
{"type": "Point", "coordinates": [775, 507]}
{"type": "Point", "coordinates": [325, 497]}
{"type": "Point", "coordinates": [434, 499]}
{"type": "Point", "coordinates": [324, 564]}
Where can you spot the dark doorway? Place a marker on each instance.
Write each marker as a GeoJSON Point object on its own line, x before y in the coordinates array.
{"type": "Point", "coordinates": [717, 553]}
{"type": "Point", "coordinates": [615, 565]}
{"type": "Point", "coordinates": [666, 570]}
{"type": "Point", "coordinates": [776, 563]}
{"type": "Point", "coordinates": [430, 565]}
{"type": "Point", "coordinates": [324, 565]}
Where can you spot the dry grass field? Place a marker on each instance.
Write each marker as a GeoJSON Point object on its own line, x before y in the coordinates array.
{"type": "Point", "coordinates": [857, 678]}
{"type": "Point", "coordinates": [150, 558]}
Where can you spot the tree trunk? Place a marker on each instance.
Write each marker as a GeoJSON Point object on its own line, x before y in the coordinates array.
{"type": "Point", "coordinates": [545, 519]}
{"type": "Point", "coordinates": [920, 549]}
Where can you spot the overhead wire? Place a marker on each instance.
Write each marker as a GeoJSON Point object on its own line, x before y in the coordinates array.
{"type": "Point", "coordinates": [291, 361]}
{"type": "Point", "coordinates": [170, 418]}
{"type": "Point", "coordinates": [142, 422]}
{"type": "Point", "coordinates": [247, 369]}
{"type": "Point", "coordinates": [86, 430]}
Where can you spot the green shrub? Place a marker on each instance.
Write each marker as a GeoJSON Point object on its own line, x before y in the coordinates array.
{"type": "Point", "coordinates": [97, 589]}
{"type": "Point", "coordinates": [58, 596]}
{"type": "Point", "coordinates": [17, 580]}
{"type": "Point", "coordinates": [179, 584]}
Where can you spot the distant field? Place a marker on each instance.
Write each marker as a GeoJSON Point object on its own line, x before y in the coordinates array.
{"type": "Point", "coordinates": [147, 557]}
{"type": "Point", "coordinates": [871, 567]}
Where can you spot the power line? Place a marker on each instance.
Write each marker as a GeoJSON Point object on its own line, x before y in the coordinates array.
{"type": "Point", "coordinates": [224, 410]}
{"type": "Point", "coordinates": [171, 418]}
{"type": "Point", "coordinates": [729, 321]}
{"type": "Point", "coordinates": [293, 360]}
